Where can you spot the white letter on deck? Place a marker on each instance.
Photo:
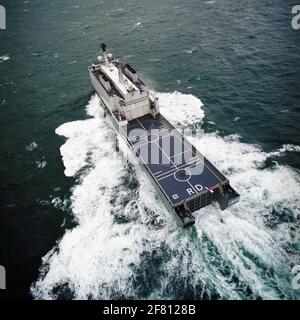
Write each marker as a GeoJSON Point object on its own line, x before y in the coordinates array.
{"type": "Point", "coordinates": [190, 191]}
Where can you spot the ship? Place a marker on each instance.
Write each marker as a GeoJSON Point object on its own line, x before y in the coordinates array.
{"type": "Point", "coordinates": [185, 180]}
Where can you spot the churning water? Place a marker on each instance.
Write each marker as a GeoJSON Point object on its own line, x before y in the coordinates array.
{"type": "Point", "coordinates": [77, 221]}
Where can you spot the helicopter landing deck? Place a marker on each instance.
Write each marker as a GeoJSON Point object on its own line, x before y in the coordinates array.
{"type": "Point", "coordinates": [180, 171]}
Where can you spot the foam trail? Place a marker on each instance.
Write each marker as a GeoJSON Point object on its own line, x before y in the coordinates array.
{"type": "Point", "coordinates": [4, 58]}
{"type": "Point", "coordinates": [181, 109]}
{"type": "Point", "coordinates": [126, 244]}
{"type": "Point", "coordinates": [33, 145]}
{"type": "Point", "coordinates": [286, 148]}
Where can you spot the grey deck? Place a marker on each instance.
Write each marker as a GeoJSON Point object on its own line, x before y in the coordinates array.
{"type": "Point", "coordinates": [180, 171]}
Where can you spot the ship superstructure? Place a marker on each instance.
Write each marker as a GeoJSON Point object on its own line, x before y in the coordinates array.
{"type": "Point", "coordinates": [185, 179]}
{"type": "Point", "coordinates": [120, 88]}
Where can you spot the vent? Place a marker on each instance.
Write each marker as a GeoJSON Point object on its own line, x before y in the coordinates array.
{"type": "Point", "coordinates": [131, 73]}
{"type": "Point", "coordinates": [203, 200]}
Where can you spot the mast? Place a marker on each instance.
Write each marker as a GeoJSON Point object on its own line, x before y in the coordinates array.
{"type": "Point", "coordinates": [103, 46]}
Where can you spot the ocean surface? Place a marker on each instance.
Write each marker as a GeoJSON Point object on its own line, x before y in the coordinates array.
{"type": "Point", "coordinates": [77, 221]}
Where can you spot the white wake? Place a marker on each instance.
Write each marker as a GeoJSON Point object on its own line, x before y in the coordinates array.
{"type": "Point", "coordinates": [127, 245]}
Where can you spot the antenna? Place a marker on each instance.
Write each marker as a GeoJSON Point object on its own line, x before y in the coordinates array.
{"type": "Point", "coordinates": [103, 46]}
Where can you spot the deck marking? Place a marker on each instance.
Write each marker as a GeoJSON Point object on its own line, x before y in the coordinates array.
{"type": "Point", "coordinates": [143, 136]}
{"type": "Point", "coordinates": [199, 186]}
{"type": "Point", "coordinates": [186, 170]}
{"type": "Point", "coordinates": [156, 137]}
{"type": "Point", "coordinates": [181, 153]}
{"type": "Point", "coordinates": [159, 147]}
{"type": "Point", "coordinates": [190, 149]}
{"type": "Point", "coordinates": [190, 191]}
{"type": "Point", "coordinates": [160, 186]}
{"type": "Point", "coordinates": [198, 157]}
{"type": "Point", "coordinates": [170, 172]}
